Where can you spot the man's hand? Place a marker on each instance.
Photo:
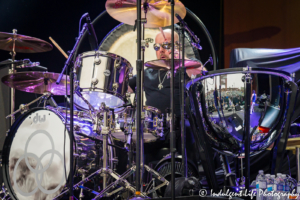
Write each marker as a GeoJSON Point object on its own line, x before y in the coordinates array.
{"type": "Point", "coordinates": [195, 71]}
{"type": "Point", "coordinates": [130, 90]}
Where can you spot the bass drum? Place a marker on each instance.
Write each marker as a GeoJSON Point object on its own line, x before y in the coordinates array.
{"type": "Point", "coordinates": [36, 154]}
{"type": "Point", "coordinates": [122, 41]}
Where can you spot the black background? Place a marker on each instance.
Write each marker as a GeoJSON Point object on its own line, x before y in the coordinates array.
{"type": "Point", "coordinates": [60, 20]}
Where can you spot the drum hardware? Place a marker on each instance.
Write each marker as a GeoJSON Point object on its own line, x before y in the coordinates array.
{"type": "Point", "coordinates": [108, 83]}
{"type": "Point", "coordinates": [25, 107]}
{"type": "Point", "coordinates": [185, 26]}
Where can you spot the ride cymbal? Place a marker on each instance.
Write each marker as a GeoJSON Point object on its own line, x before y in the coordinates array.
{"type": "Point", "coordinates": [23, 44]}
{"type": "Point", "coordinates": [158, 11]}
{"type": "Point", "coordinates": [37, 82]}
{"type": "Point", "coordinates": [166, 64]}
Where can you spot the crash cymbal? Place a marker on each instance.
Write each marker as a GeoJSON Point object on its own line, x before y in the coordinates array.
{"type": "Point", "coordinates": [37, 82]}
{"type": "Point", "coordinates": [166, 64]}
{"type": "Point", "coordinates": [23, 44]}
{"type": "Point", "coordinates": [158, 12]}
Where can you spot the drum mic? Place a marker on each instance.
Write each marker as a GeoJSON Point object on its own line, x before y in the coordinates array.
{"type": "Point", "coordinates": [92, 35]}
{"type": "Point", "coordinates": [197, 40]}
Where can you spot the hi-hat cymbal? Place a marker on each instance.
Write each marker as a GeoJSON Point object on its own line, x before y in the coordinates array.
{"type": "Point", "coordinates": [23, 44]}
{"type": "Point", "coordinates": [158, 12]}
{"type": "Point", "coordinates": [37, 82]}
{"type": "Point", "coordinates": [166, 64]}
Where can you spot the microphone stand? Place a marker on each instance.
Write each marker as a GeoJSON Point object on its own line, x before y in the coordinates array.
{"type": "Point", "coordinates": [72, 73]}
{"type": "Point", "coordinates": [172, 122]}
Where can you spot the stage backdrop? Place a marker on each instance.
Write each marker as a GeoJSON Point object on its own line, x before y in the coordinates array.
{"type": "Point", "coordinates": [260, 24]}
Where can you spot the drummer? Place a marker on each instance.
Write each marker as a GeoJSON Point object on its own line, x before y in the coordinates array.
{"type": "Point", "coordinates": [159, 96]}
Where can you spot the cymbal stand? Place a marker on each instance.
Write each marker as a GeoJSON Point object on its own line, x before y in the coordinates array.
{"type": "Point", "coordinates": [139, 128]}
{"type": "Point", "coordinates": [143, 47]}
{"type": "Point", "coordinates": [172, 121]}
{"type": "Point", "coordinates": [182, 106]}
{"type": "Point", "coordinates": [12, 71]}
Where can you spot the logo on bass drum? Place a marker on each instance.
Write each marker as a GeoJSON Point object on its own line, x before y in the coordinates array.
{"type": "Point", "coordinates": [38, 118]}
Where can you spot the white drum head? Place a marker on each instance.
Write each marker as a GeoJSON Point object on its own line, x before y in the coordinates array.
{"type": "Point", "coordinates": [36, 157]}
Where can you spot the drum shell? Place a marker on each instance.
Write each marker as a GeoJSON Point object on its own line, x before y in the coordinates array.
{"type": "Point", "coordinates": [82, 148]}
{"type": "Point", "coordinates": [104, 73]}
{"type": "Point", "coordinates": [152, 126]}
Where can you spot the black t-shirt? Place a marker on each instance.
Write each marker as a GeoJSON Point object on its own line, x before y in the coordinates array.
{"type": "Point", "coordinates": [159, 98]}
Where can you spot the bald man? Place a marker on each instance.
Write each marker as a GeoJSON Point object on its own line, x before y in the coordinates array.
{"type": "Point", "coordinates": [157, 83]}
{"type": "Point", "coordinates": [157, 90]}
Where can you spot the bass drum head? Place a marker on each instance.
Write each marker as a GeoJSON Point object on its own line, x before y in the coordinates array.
{"type": "Point", "coordinates": [33, 156]}
{"type": "Point", "coordinates": [122, 41]}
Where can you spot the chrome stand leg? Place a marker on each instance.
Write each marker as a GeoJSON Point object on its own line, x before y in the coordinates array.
{"type": "Point", "coordinates": [298, 162]}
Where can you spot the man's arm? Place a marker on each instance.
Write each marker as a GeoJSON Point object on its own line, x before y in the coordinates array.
{"type": "Point", "coordinates": [132, 84]}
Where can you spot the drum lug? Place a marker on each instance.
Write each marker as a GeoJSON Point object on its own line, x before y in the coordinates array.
{"type": "Point", "coordinates": [143, 115]}
{"type": "Point", "coordinates": [97, 60]}
{"type": "Point", "coordinates": [115, 86]}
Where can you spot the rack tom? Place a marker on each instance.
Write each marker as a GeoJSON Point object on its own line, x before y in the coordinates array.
{"type": "Point", "coordinates": [152, 124]}
{"type": "Point", "coordinates": [102, 77]}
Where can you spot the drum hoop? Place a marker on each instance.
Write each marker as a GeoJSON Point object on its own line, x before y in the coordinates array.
{"type": "Point", "coordinates": [123, 98]}
{"type": "Point", "coordinates": [243, 70]}
{"type": "Point", "coordinates": [104, 54]}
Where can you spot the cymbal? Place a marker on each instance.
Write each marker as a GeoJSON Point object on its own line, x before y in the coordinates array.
{"type": "Point", "coordinates": [166, 64]}
{"type": "Point", "coordinates": [158, 14]}
{"type": "Point", "coordinates": [37, 82]}
{"type": "Point", "coordinates": [23, 44]}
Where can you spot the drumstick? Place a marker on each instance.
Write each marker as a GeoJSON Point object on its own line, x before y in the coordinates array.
{"type": "Point", "coordinates": [58, 47]}
{"type": "Point", "coordinates": [162, 32]}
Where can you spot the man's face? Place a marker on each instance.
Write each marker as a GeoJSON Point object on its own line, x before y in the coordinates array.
{"type": "Point", "coordinates": [164, 53]}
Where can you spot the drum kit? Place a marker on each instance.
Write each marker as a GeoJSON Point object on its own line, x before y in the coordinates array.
{"type": "Point", "coordinates": [39, 149]}
{"type": "Point", "coordinates": [38, 152]}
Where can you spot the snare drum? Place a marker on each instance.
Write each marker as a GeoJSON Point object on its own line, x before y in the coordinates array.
{"type": "Point", "coordinates": [153, 124]}
{"type": "Point", "coordinates": [36, 153]}
{"type": "Point", "coordinates": [103, 77]}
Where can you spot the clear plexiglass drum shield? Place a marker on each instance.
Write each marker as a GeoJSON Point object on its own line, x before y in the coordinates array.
{"type": "Point", "coordinates": [221, 101]}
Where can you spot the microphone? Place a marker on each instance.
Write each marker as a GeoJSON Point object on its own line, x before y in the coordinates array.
{"type": "Point", "coordinates": [92, 35]}
{"type": "Point", "coordinates": [197, 40]}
